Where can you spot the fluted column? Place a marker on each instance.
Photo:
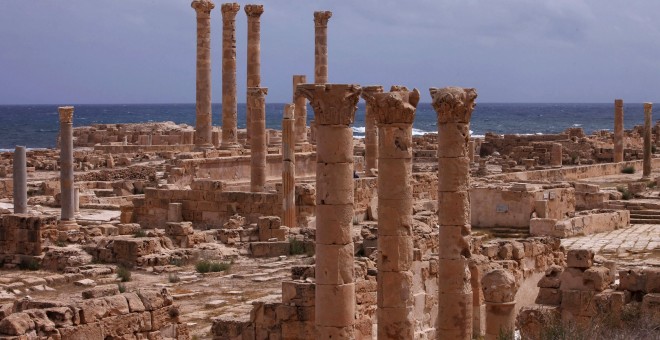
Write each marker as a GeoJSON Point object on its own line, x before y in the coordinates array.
{"type": "Point", "coordinates": [556, 155]}
{"type": "Point", "coordinates": [334, 108]}
{"type": "Point", "coordinates": [256, 97]}
{"type": "Point", "coordinates": [20, 180]}
{"type": "Point", "coordinates": [454, 106]}
{"type": "Point", "coordinates": [288, 167]}
{"type": "Point", "coordinates": [67, 219]}
{"type": "Point", "coordinates": [648, 108]}
{"type": "Point", "coordinates": [321, 46]}
{"type": "Point", "coordinates": [618, 130]}
{"type": "Point", "coordinates": [229, 105]}
{"type": "Point", "coordinates": [370, 130]}
{"type": "Point", "coordinates": [203, 121]}
{"type": "Point", "coordinates": [253, 13]}
{"type": "Point", "coordinates": [301, 110]}
{"type": "Point", "coordinates": [394, 112]}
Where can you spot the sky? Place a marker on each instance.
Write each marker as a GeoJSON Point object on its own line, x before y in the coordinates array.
{"type": "Point", "coordinates": [144, 51]}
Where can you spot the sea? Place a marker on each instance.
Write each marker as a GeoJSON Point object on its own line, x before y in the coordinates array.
{"type": "Point", "coordinates": [36, 126]}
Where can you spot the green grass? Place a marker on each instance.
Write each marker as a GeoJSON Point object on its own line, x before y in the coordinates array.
{"type": "Point", "coordinates": [124, 274]}
{"type": "Point", "coordinates": [205, 266]}
{"type": "Point", "coordinates": [121, 287]}
{"type": "Point", "coordinates": [140, 233]}
{"type": "Point", "coordinates": [625, 193]}
{"type": "Point", "coordinates": [297, 247]}
{"type": "Point", "coordinates": [628, 170]}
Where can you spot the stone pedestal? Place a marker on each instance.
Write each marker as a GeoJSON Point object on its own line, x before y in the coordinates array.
{"type": "Point", "coordinates": [321, 46]}
{"type": "Point", "coordinates": [67, 219]}
{"type": "Point", "coordinates": [175, 212]}
{"type": "Point", "coordinates": [203, 121]}
{"type": "Point", "coordinates": [394, 112]}
{"type": "Point", "coordinates": [454, 106]}
{"type": "Point", "coordinates": [648, 108]}
{"type": "Point", "coordinates": [256, 97]}
{"type": "Point", "coordinates": [334, 107]}
{"type": "Point", "coordinates": [20, 180]}
{"type": "Point", "coordinates": [288, 167]}
{"type": "Point", "coordinates": [618, 130]}
{"type": "Point", "coordinates": [301, 111]}
{"type": "Point", "coordinates": [500, 288]}
{"type": "Point", "coordinates": [370, 131]}
{"type": "Point", "coordinates": [253, 13]}
{"type": "Point", "coordinates": [556, 155]}
{"type": "Point", "coordinates": [229, 105]}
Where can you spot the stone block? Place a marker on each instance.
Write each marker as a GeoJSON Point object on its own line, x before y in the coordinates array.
{"type": "Point", "coordinates": [153, 299]}
{"type": "Point", "coordinates": [179, 228]}
{"type": "Point", "coordinates": [651, 307]}
{"type": "Point", "coordinates": [87, 331]}
{"type": "Point", "coordinates": [298, 293]}
{"type": "Point", "coordinates": [100, 291]}
{"type": "Point", "coordinates": [598, 278]}
{"type": "Point", "coordinates": [579, 258]}
{"type": "Point", "coordinates": [17, 324]}
{"type": "Point", "coordinates": [270, 249]}
{"type": "Point", "coordinates": [549, 296]}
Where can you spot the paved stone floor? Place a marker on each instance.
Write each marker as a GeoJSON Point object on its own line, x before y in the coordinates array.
{"type": "Point", "coordinates": [639, 242]}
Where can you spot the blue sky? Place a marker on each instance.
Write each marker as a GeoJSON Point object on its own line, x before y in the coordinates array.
{"type": "Point", "coordinates": [143, 51]}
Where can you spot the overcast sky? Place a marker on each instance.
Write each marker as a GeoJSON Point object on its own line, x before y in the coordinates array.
{"type": "Point", "coordinates": [143, 51]}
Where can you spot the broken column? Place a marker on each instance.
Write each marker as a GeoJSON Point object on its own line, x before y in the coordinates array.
{"type": "Point", "coordinates": [370, 131]}
{"type": "Point", "coordinates": [321, 46]}
{"type": "Point", "coordinates": [229, 105]}
{"type": "Point", "coordinates": [618, 130]}
{"type": "Point", "coordinates": [203, 120]}
{"type": "Point", "coordinates": [334, 108]}
{"type": "Point", "coordinates": [300, 111]}
{"type": "Point", "coordinates": [256, 98]}
{"type": "Point", "coordinates": [67, 219]}
{"type": "Point", "coordinates": [394, 112]}
{"type": "Point", "coordinates": [648, 107]}
{"type": "Point", "coordinates": [471, 146]}
{"type": "Point", "coordinates": [20, 181]}
{"type": "Point", "coordinates": [288, 167]}
{"type": "Point", "coordinates": [253, 54]}
{"type": "Point", "coordinates": [500, 288]}
{"type": "Point", "coordinates": [556, 155]}
{"type": "Point", "coordinates": [454, 106]}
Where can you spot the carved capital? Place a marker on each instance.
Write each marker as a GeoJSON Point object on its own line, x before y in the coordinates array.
{"type": "Point", "coordinates": [648, 107]}
{"type": "Point", "coordinates": [203, 6]}
{"type": "Point", "coordinates": [321, 18]}
{"type": "Point", "coordinates": [66, 114]}
{"type": "Point", "coordinates": [289, 111]}
{"type": "Point", "coordinates": [370, 90]}
{"type": "Point", "coordinates": [453, 104]}
{"type": "Point", "coordinates": [254, 11]}
{"type": "Point", "coordinates": [229, 10]}
{"type": "Point", "coordinates": [333, 104]}
{"type": "Point", "coordinates": [395, 107]}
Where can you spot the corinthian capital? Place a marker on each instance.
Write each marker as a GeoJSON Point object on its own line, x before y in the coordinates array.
{"type": "Point", "coordinates": [66, 114]}
{"type": "Point", "coordinates": [453, 104]}
{"type": "Point", "coordinates": [321, 18]}
{"type": "Point", "coordinates": [203, 6]}
{"type": "Point", "coordinates": [229, 10]}
{"type": "Point", "coordinates": [254, 11]}
{"type": "Point", "coordinates": [394, 107]}
{"type": "Point", "coordinates": [333, 104]}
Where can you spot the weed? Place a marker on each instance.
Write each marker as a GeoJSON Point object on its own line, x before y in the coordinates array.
{"type": "Point", "coordinates": [625, 193]}
{"type": "Point", "coordinates": [60, 243]}
{"type": "Point", "coordinates": [296, 247]}
{"type": "Point", "coordinates": [176, 262]}
{"type": "Point", "coordinates": [121, 287]}
{"type": "Point", "coordinates": [174, 312]}
{"type": "Point", "coordinates": [140, 233]}
{"type": "Point", "coordinates": [205, 266]}
{"type": "Point", "coordinates": [29, 264]}
{"type": "Point", "coordinates": [628, 170]}
{"type": "Point", "coordinates": [124, 274]}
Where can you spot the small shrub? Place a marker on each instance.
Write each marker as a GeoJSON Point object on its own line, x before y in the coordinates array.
{"type": "Point", "coordinates": [628, 170]}
{"type": "Point", "coordinates": [173, 278]}
{"type": "Point", "coordinates": [29, 264]}
{"type": "Point", "coordinates": [140, 233]}
{"type": "Point", "coordinates": [205, 266]}
{"type": "Point", "coordinates": [219, 267]}
{"type": "Point", "coordinates": [124, 274]}
{"type": "Point", "coordinates": [176, 262]}
{"type": "Point", "coordinates": [121, 287]}
{"type": "Point", "coordinates": [297, 247]}
{"type": "Point", "coordinates": [625, 193]}
{"type": "Point", "coordinates": [174, 312]}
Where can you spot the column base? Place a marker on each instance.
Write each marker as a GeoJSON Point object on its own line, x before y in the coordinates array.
{"type": "Point", "coordinates": [230, 146]}
{"type": "Point", "coordinates": [204, 147]}
{"type": "Point", "coordinates": [67, 225]}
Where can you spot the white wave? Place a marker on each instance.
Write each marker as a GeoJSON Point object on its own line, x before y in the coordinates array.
{"type": "Point", "coordinates": [359, 129]}
{"type": "Point", "coordinates": [577, 125]}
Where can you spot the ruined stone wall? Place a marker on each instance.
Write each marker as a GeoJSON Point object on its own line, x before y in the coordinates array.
{"type": "Point", "coordinates": [145, 314]}
{"type": "Point", "coordinates": [6, 188]}
{"type": "Point", "coordinates": [22, 234]}
{"type": "Point", "coordinates": [584, 223]}
{"type": "Point", "coordinates": [163, 133]}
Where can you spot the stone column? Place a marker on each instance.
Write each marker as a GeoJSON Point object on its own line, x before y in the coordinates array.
{"type": "Point", "coordinates": [334, 108]}
{"type": "Point", "coordinates": [394, 112]}
{"type": "Point", "coordinates": [203, 121]}
{"type": "Point", "coordinates": [229, 105]}
{"type": "Point", "coordinates": [370, 132]}
{"type": "Point", "coordinates": [556, 155]}
{"type": "Point", "coordinates": [454, 106]}
{"type": "Point", "coordinates": [20, 180]}
{"type": "Point", "coordinates": [618, 130]}
{"type": "Point", "coordinates": [253, 53]}
{"type": "Point", "coordinates": [76, 200]}
{"type": "Point", "coordinates": [301, 111]}
{"type": "Point", "coordinates": [67, 219]}
{"type": "Point", "coordinates": [256, 97]}
{"type": "Point", "coordinates": [289, 167]}
{"type": "Point", "coordinates": [500, 287]}
{"type": "Point", "coordinates": [321, 46]}
{"type": "Point", "coordinates": [471, 147]}
{"type": "Point", "coordinates": [648, 108]}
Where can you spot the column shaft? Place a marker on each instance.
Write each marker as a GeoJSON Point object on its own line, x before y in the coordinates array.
{"type": "Point", "coordinates": [203, 122]}
{"type": "Point", "coordinates": [253, 54]}
{"type": "Point", "coordinates": [66, 164]}
{"type": "Point", "coordinates": [370, 130]}
{"type": "Point", "coordinates": [321, 46]}
{"type": "Point", "coordinates": [618, 131]}
{"type": "Point", "coordinates": [648, 108]}
{"type": "Point", "coordinates": [556, 155]}
{"type": "Point", "coordinates": [288, 168]}
{"type": "Point", "coordinates": [229, 105]}
{"type": "Point", "coordinates": [256, 97]}
{"type": "Point", "coordinates": [301, 111]}
{"type": "Point", "coordinates": [20, 180]}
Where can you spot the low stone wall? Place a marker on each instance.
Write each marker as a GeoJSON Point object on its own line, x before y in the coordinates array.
{"type": "Point", "coordinates": [22, 237]}
{"type": "Point", "coordinates": [120, 149]}
{"type": "Point", "coordinates": [584, 223]}
{"type": "Point", "coordinates": [145, 314]}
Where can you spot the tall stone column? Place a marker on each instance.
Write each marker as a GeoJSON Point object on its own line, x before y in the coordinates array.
{"type": "Point", "coordinates": [454, 106]}
{"type": "Point", "coordinates": [289, 167]}
{"type": "Point", "coordinates": [500, 288]}
{"type": "Point", "coordinates": [256, 97]}
{"type": "Point", "coordinates": [334, 108]}
{"type": "Point", "coordinates": [301, 110]}
{"type": "Point", "coordinates": [618, 130]}
{"type": "Point", "coordinates": [556, 155]}
{"type": "Point", "coordinates": [394, 112]}
{"type": "Point", "coordinates": [67, 219]}
{"type": "Point", "coordinates": [321, 46]}
{"type": "Point", "coordinates": [203, 121]}
{"type": "Point", "coordinates": [648, 108]}
{"type": "Point", "coordinates": [253, 53]}
{"type": "Point", "coordinates": [20, 181]}
{"type": "Point", "coordinates": [229, 105]}
{"type": "Point", "coordinates": [370, 131]}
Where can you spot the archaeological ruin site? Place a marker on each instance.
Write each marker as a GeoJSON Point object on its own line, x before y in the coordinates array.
{"type": "Point", "coordinates": [165, 231]}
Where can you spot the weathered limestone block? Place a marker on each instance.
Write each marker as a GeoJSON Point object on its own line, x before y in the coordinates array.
{"type": "Point", "coordinates": [579, 258]}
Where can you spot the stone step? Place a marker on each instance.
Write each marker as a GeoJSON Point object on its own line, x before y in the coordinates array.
{"type": "Point", "coordinates": [645, 221]}
{"type": "Point", "coordinates": [645, 213]}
